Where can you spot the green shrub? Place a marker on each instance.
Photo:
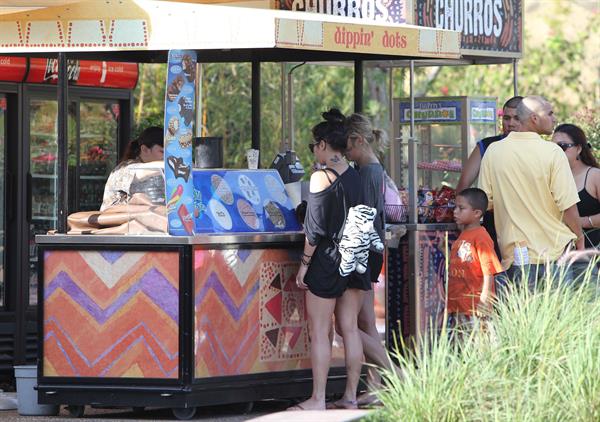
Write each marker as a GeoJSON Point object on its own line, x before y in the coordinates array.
{"type": "Point", "coordinates": [536, 358]}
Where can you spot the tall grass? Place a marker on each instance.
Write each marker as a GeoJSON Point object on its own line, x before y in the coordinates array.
{"type": "Point", "coordinates": [536, 358]}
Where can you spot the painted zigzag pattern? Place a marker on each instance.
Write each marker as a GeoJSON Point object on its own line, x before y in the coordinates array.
{"type": "Point", "coordinates": [227, 317]}
{"type": "Point", "coordinates": [111, 314]}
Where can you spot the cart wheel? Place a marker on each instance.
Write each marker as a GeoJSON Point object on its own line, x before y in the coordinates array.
{"type": "Point", "coordinates": [184, 413]}
{"type": "Point", "coordinates": [76, 411]}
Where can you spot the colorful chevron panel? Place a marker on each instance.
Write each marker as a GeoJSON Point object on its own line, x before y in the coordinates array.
{"type": "Point", "coordinates": [250, 316]}
{"type": "Point", "coordinates": [111, 314]}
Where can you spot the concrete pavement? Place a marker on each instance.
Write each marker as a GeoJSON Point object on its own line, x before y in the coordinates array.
{"type": "Point", "coordinates": [265, 411]}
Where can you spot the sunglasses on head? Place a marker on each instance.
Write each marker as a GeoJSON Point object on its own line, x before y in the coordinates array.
{"type": "Point", "coordinates": [312, 146]}
{"type": "Point", "coordinates": [565, 146]}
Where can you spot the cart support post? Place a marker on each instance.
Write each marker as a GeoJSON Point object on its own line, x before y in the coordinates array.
{"type": "Point", "coordinates": [358, 86]}
{"type": "Point", "coordinates": [63, 143]}
{"type": "Point", "coordinates": [256, 105]}
{"type": "Point", "coordinates": [199, 124]}
{"type": "Point", "coordinates": [412, 152]}
{"type": "Point", "coordinates": [515, 77]}
{"type": "Point", "coordinates": [413, 286]}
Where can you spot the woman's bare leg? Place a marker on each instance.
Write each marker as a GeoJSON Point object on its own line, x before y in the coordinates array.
{"type": "Point", "coordinates": [374, 351]}
{"type": "Point", "coordinates": [346, 313]}
{"type": "Point", "coordinates": [319, 311]}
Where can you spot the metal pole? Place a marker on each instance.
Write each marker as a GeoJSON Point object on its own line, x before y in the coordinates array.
{"type": "Point", "coordinates": [290, 111]}
{"type": "Point", "coordinates": [256, 105]}
{"type": "Point", "coordinates": [198, 127]}
{"type": "Point", "coordinates": [63, 144]}
{"type": "Point", "coordinates": [412, 152]}
{"type": "Point", "coordinates": [413, 234]}
{"type": "Point", "coordinates": [391, 93]}
{"type": "Point", "coordinates": [515, 77]}
{"type": "Point", "coordinates": [358, 86]}
{"type": "Point", "coordinates": [283, 146]}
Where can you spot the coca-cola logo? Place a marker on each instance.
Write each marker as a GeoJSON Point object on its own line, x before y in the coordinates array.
{"type": "Point", "coordinates": [51, 72]}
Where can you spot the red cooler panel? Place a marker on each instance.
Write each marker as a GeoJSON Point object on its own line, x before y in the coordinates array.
{"type": "Point", "coordinates": [85, 73]}
{"type": "Point", "coordinates": [111, 314]}
{"type": "Point", "coordinates": [12, 69]}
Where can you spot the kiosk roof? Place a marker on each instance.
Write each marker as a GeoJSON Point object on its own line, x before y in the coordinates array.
{"type": "Point", "coordinates": [145, 30]}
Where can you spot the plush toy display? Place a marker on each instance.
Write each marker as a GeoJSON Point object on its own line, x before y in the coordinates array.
{"type": "Point", "coordinates": [358, 237]}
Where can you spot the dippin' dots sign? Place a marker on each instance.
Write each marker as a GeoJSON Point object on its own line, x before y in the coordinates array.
{"type": "Point", "coordinates": [353, 39]}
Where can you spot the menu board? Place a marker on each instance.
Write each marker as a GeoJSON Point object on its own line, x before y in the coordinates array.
{"type": "Point", "coordinates": [179, 126]}
{"type": "Point", "coordinates": [230, 201]}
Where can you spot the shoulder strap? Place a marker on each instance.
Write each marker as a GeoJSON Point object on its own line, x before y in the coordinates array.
{"type": "Point", "coordinates": [326, 171]}
{"type": "Point", "coordinates": [341, 231]}
{"type": "Point", "coordinates": [586, 175]}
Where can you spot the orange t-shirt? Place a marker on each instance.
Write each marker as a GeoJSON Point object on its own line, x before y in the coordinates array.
{"type": "Point", "coordinates": [472, 256]}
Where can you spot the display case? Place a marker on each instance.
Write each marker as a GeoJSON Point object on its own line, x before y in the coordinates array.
{"type": "Point", "coordinates": [446, 130]}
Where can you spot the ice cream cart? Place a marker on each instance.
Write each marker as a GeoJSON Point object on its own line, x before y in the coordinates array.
{"type": "Point", "coordinates": [206, 314]}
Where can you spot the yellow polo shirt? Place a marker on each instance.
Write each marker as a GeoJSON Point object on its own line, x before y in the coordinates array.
{"type": "Point", "coordinates": [529, 184]}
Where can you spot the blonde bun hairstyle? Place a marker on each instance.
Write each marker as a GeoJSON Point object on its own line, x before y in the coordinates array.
{"type": "Point", "coordinates": [358, 125]}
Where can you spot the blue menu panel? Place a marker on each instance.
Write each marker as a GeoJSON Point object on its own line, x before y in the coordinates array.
{"type": "Point", "coordinates": [230, 201]}
{"type": "Point", "coordinates": [179, 126]}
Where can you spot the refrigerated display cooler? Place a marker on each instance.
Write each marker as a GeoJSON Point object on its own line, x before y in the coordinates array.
{"type": "Point", "coordinates": [93, 143]}
{"type": "Point", "coordinates": [447, 129]}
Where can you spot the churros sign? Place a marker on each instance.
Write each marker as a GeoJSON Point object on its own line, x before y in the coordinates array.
{"type": "Point", "coordinates": [380, 11]}
{"type": "Point", "coordinates": [493, 26]}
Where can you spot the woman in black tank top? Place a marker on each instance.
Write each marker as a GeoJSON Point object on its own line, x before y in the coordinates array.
{"type": "Point", "coordinates": [332, 192]}
{"type": "Point", "coordinates": [585, 170]}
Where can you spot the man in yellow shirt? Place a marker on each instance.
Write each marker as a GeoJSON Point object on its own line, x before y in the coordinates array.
{"type": "Point", "coordinates": [532, 192]}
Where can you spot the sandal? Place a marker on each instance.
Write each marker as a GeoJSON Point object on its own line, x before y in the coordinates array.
{"type": "Point", "coordinates": [368, 400]}
{"type": "Point", "coordinates": [342, 404]}
{"type": "Point", "coordinates": [296, 407]}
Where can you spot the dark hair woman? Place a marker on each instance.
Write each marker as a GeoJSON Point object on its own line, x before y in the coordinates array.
{"type": "Point", "coordinates": [585, 170]}
{"type": "Point", "coordinates": [147, 147]}
{"type": "Point", "coordinates": [333, 191]}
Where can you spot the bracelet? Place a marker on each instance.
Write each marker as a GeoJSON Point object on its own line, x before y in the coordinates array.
{"type": "Point", "coordinates": [591, 222]}
{"type": "Point", "coordinates": [308, 256]}
{"type": "Point", "coordinates": [305, 262]}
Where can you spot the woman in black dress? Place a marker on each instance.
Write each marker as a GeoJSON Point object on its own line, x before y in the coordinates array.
{"type": "Point", "coordinates": [585, 170]}
{"type": "Point", "coordinates": [332, 192]}
{"type": "Point", "coordinates": [364, 144]}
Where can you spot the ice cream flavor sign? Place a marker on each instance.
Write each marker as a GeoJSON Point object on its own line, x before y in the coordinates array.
{"type": "Point", "coordinates": [486, 25]}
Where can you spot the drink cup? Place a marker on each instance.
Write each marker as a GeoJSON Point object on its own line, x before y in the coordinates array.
{"type": "Point", "coordinates": [252, 157]}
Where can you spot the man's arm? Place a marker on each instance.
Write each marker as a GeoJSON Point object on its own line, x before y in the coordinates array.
{"type": "Point", "coordinates": [470, 170]}
{"type": "Point", "coordinates": [571, 219]}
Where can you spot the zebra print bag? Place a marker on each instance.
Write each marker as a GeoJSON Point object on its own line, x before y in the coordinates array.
{"type": "Point", "coordinates": [356, 238]}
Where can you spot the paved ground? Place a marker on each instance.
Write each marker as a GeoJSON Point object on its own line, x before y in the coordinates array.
{"type": "Point", "coordinates": [267, 411]}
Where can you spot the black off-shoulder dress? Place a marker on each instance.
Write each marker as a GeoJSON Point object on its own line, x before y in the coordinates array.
{"type": "Point", "coordinates": [325, 216]}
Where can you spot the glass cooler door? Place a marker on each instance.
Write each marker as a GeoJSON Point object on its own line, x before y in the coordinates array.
{"type": "Point", "coordinates": [99, 124]}
{"type": "Point", "coordinates": [43, 177]}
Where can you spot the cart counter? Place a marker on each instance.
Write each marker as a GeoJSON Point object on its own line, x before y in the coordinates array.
{"type": "Point", "coordinates": [173, 321]}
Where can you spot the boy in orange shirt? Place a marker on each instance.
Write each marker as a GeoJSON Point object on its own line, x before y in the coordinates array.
{"type": "Point", "coordinates": [473, 262]}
